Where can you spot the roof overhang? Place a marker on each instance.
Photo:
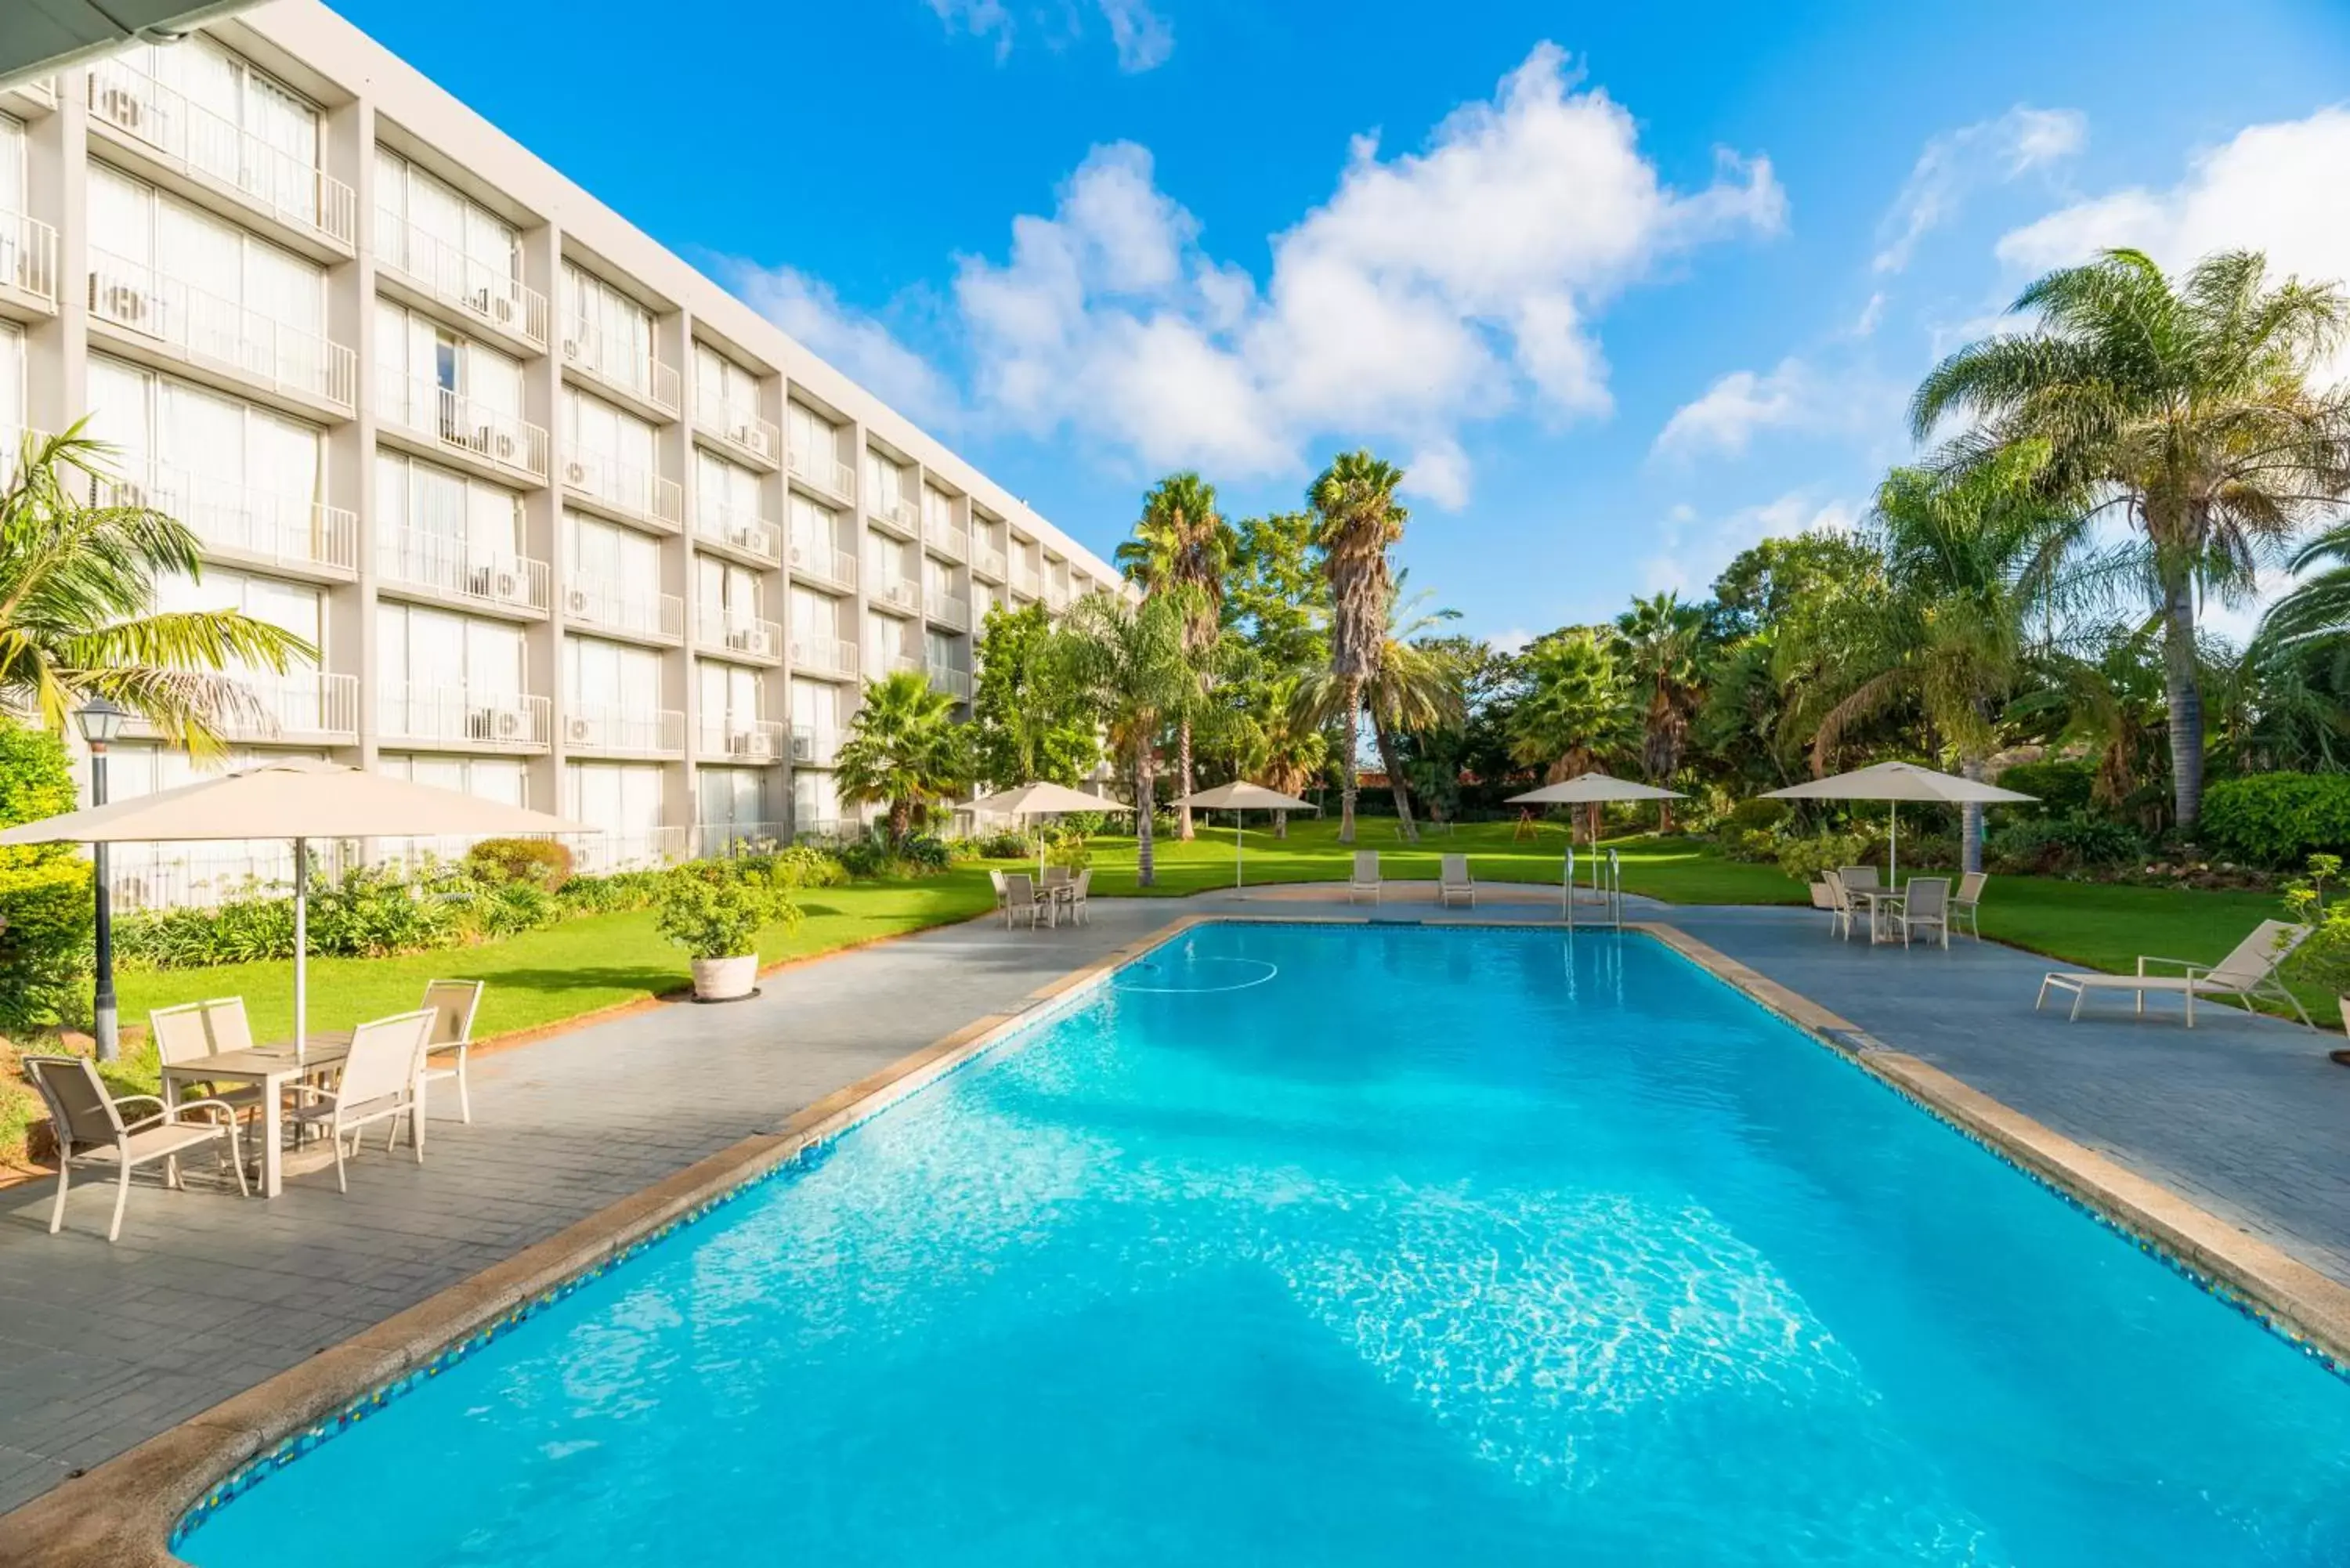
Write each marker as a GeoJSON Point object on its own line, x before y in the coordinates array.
{"type": "Point", "coordinates": [41, 37]}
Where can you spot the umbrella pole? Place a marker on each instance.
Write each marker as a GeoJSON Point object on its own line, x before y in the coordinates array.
{"type": "Point", "coordinates": [301, 943]}
{"type": "Point", "coordinates": [1240, 871]}
{"type": "Point", "coordinates": [1893, 844]}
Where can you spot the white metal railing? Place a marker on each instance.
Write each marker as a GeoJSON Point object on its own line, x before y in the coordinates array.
{"type": "Point", "coordinates": [29, 259]}
{"type": "Point", "coordinates": [740, 427]}
{"type": "Point", "coordinates": [460, 570]}
{"type": "Point", "coordinates": [946, 539]}
{"type": "Point", "coordinates": [301, 704]}
{"type": "Point", "coordinates": [211, 329]}
{"type": "Point", "coordinates": [949, 610]}
{"type": "Point", "coordinates": [637, 731]}
{"type": "Point", "coordinates": [454, 420]}
{"type": "Point", "coordinates": [824, 655]}
{"type": "Point", "coordinates": [739, 527]}
{"type": "Point", "coordinates": [199, 142]}
{"type": "Point", "coordinates": [745, 740]}
{"type": "Point", "coordinates": [585, 349]}
{"type": "Point", "coordinates": [175, 875]}
{"type": "Point", "coordinates": [819, 562]}
{"type": "Point", "coordinates": [898, 593]}
{"type": "Point", "coordinates": [899, 517]}
{"type": "Point", "coordinates": [902, 663]}
{"type": "Point", "coordinates": [730, 838]}
{"type": "Point", "coordinates": [955, 682]}
{"type": "Point", "coordinates": [636, 491]}
{"type": "Point", "coordinates": [988, 561]}
{"type": "Point", "coordinates": [434, 266]}
{"type": "Point", "coordinates": [1056, 596]}
{"type": "Point", "coordinates": [595, 601]}
{"type": "Point", "coordinates": [239, 520]}
{"type": "Point", "coordinates": [1024, 581]}
{"type": "Point", "coordinates": [644, 849]}
{"type": "Point", "coordinates": [815, 746]}
{"type": "Point", "coordinates": [455, 711]}
{"type": "Point", "coordinates": [823, 470]}
{"type": "Point", "coordinates": [715, 626]}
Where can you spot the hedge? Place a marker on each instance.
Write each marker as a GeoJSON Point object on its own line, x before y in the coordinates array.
{"type": "Point", "coordinates": [45, 951]}
{"type": "Point", "coordinates": [2278, 819]}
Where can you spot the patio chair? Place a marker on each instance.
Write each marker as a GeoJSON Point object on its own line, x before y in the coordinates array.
{"type": "Point", "coordinates": [453, 1003]}
{"type": "Point", "coordinates": [1453, 881]}
{"type": "Point", "coordinates": [1858, 878]}
{"type": "Point", "coordinates": [377, 1083]}
{"type": "Point", "coordinates": [1839, 904]}
{"type": "Point", "coordinates": [1924, 906]}
{"type": "Point", "coordinates": [1020, 901]}
{"type": "Point", "coordinates": [1364, 879]}
{"type": "Point", "coordinates": [89, 1125]}
{"type": "Point", "coordinates": [1078, 913]}
{"type": "Point", "coordinates": [2249, 971]}
{"type": "Point", "coordinates": [1966, 904]}
{"type": "Point", "coordinates": [194, 1030]}
{"type": "Point", "coordinates": [995, 879]}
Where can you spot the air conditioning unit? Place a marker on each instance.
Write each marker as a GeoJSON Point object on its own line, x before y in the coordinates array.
{"type": "Point", "coordinates": [753, 537]}
{"type": "Point", "coordinates": [123, 303]}
{"type": "Point", "coordinates": [502, 309]}
{"type": "Point", "coordinates": [901, 593]}
{"type": "Point", "coordinates": [797, 463]}
{"type": "Point", "coordinates": [123, 106]}
{"type": "Point", "coordinates": [571, 349]}
{"type": "Point", "coordinates": [797, 555]}
{"type": "Point", "coordinates": [509, 585]}
{"type": "Point", "coordinates": [575, 601]}
{"type": "Point", "coordinates": [803, 748]}
{"type": "Point", "coordinates": [747, 743]}
{"type": "Point", "coordinates": [478, 302]}
{"type": "Point", "coordinates": [575, 474]}
{"type": "Point", "coordinates": [498, 442]}
{"type": "Point", "coordinates": [758, 644]}
{"type": "Point", "coordinates": [581, 729]}
{"type": "Point", "coordinates": [746, 435]}
{"type": "Point", "coordinates": [511, 724]}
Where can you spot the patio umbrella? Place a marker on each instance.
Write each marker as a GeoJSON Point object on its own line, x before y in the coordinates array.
{"type": "Point", "coordinates": [300, 799]}
{"type": "Point", "coordinates": [1894, 783]}
{"type": "Point", "coordinates": [1039, 798]}
{"type": "Point", "coordinates": [1592, 789]}
{"type": "Point", "coordinates": [1240, 795]}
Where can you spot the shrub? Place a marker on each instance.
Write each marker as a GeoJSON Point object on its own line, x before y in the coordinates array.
{"type": "Point", "coordinates": [510, 909]}
{"type": "Point", "coordinates": [612, 893]}
{"type": "Point", "coordinates": [2275, 819]}
{"type": "Point", "coordinates": [44, 898]}
{"type": "Point", "coordinates": [1757, 812]}
{"type": "Point", "coordinates": [1072, 851]}
{"type": "Point", "coordinates": [2045, 845]}
{"type": "Point", "coordinates": [715, 914]}
{"type": "Point", "coordinates": [805, 866]}
{"type": "Point", "coordinates": [541, 862]}
{"type": "Point", "coordinates": [1805, 859]}
{"type": "Point", "coordinates": [923, 853]}
{"type": "Point", "coordinates": [865, 857]}
{"type": "Point", "coordinates": [2063, 783]}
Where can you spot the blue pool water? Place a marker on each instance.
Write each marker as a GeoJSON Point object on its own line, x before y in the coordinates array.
{"type": "Point", "coordinates": [1333, 1245]}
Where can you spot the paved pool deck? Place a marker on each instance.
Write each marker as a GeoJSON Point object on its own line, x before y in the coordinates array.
{"type": "Point", "coordinates": [205, 1295]}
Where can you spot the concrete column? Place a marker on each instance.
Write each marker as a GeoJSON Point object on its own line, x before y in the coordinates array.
{"type": "Point", "coordinates": [542, 398]}
{"type": "Point", "coordinates": [56, 159]}
{"type": "Point", "coordinates": [350, 631]}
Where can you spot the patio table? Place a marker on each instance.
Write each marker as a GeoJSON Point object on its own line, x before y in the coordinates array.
{"type": "Point", "coordinates": [271, 1069]}
{"type": "Point", "coordinates": [1879, 901]}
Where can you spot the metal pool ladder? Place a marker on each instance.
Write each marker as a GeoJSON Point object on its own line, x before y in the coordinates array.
{"type": "Point", "coordinates": [1607, 887]}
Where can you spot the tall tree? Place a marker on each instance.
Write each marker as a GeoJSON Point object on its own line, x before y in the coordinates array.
{"type": "Point", "coordinates": [1356, 519]}
{"type": "Point", "coordinates": [1277, 596]}
{"type": "Point", "coordinates": [1133, 663]}
{"type": "Point", "coordinates": [2183, 405]}
{"type": "Point", "coordinates": [1663, 641]}
{"type": "Point", "coordinates": [77, 616]}
{"type": "Point", "coordinates": [1282, 747]}
{"type": "Point", "coordinates": [1183, 543]}
{"type": "Point", "coordinates": [1028, 727]}
{"type": "Point", "coordinates": [1576, 710]}
{"type": "Point", "coordinates": [1413, 688]}
{"type": "Point", "coordinates": [904, 747]}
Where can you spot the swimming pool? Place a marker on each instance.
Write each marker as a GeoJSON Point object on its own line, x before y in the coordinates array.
{"type": "Point", "coordinates": [1328, 1244]}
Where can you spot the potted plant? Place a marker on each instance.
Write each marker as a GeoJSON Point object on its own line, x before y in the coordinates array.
{"type": "Point", "coordinates": [716, 914]}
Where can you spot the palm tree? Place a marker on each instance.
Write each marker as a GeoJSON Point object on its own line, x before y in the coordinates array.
{"type": "Point", "coordinates": [903, 747]}
{"type": "Point", "coordinates": [1662, 639]}
{"type": "Point", "coordinates": [1356, 519]}
{"type": "Point", "coordinates": [1132, 660]}
{"type": "Point", "coordinates": [1284, 745]}
{"type": "Point", "coordinates": [1576, 710]}
{"type": "Point", "coordinates": [1183, 542]}
{"type": "Point", "coordinates": [1412, 689]}
{"type": "Point", "coordinates": [2184, 406]}
{"type": "Point", "coordinates": [77, 617]}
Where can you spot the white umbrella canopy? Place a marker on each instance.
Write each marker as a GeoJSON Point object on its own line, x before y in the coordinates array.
{"type": "Point", "coordinates": [1894, 783]}
{"type": "Point", "coordinates": [1041, 797]}
{"type": "Point", "coordinates": [300, 799]}
{"type": "Point", "coordinates": [1591, 789]}
{"type": "Point", "coordinates": [1241, 795]}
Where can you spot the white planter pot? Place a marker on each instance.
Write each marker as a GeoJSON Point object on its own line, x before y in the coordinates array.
{"type": "Point", "coordinates": [724, 980]}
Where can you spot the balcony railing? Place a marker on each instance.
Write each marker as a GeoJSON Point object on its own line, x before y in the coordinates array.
{"type": "Point", "coordinates": [1056, 596]}
{"type": "Point", "coordinates": [644, 849]}
{"type": "Point", "coordinates": [898, 593]}
{"type": "Point", "coordinates": [618, 367]}
{"type": "Point", "coordinates": [1024, 581]}
{"type": "Point", "coordinates": [593, 601]}
{"type": "Point", "coordinates": [203, 144]}
{"type": "Point", "coordinates": [824, 655]}
{"type": "Point", "coordinates": [716, 626]}
{"type": "Point", "coordinates": [742, 428]}
{"type": "Point", "coordinates": [823, 470]}
{"type": "Point", "coordinates": [898, 515]}
{"type": "Point", "coordinates": [239, 520]}
{"type": "Point", "coordinates": [816, 562]}
{"type": "Point", "coordinates": [988, 561]}
{"type": "Point", "coordinates": [738, 527]}
{"type": "Point", "coordinates": [901, 663]}
{"type": "Point", "coordinates": [301, 705]}
{"type": "Point", "coordinates": [955, 682]}
{"type": "Point", "coordinates": [455, 569]}
{"type": "Point", "coordinates": [814, 746]}
{"type": "Point", "coordinates": [624, 732]}
{"type": "Point", "coordinates": [948, 610]}
{"type": "Point", "coordinates": [626, 487]}
{"type": "Point", "coordinates": [507, 441]}
{"type": "Point", "coordinates": [29, 259]}
{"type": "Point", "coordinates": [178, 875]}
{"type": "Point", "coordinates": [456, 713]}
{"type": "Point", "coordinates": [741, 740]}
{"type": "Point", "coordinates": [432, 266]}
{"type": "Point", "coordinates": [208, 329]}
{"type": "Point", "coordinates": [947, 540]}
{"type": "Point", "coordinates": [731, 838]}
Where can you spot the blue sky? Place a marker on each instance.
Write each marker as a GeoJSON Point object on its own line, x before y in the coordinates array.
{"type": "Point", "coordinates": [1625, 288]}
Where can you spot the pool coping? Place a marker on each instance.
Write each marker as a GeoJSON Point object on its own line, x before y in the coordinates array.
{"type": "Point", "coordinates": [124, 1512]}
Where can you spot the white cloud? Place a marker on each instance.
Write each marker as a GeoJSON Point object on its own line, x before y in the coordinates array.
{"type": "Point", "coordinates": [1957, 162]}
{"type": "Point", "coordinates": [857, 343]}
{"type": "Point", "coordinates": [1870, 315]}
{"type": "Point", "coordinates": [1726, 418]}
{"type": "Point", "coordinates": [1691, 552]}
{"type": "Point", "coordinates": [1514, 640]}
{"type": "Point", "coordinates": [1143, 38]}
{"type": "Point", "coordinates": [1430, 290]}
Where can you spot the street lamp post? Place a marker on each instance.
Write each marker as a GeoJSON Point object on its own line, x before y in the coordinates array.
{"type": "Point", "coordinates": [100, 722]}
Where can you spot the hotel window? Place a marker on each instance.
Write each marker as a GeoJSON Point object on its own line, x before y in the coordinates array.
{"type": "Point", "coordinates": [730, 694]}
{"type": "Point", "coordinates": [624, 801]}
{"type": "Point", "coordinates": [886, 638]}
{"type": "Point", "coordinates": [607, 330]}
{"type": "Point", "coordinates": [944, 650]}
{"type": "Point", "coordinates": [441, 381]}
{"type": "Point", "coordinates": [725, 495]}
{"type": "Point", "coordinates": [140, 237]}
{"type": "Point", "coordinates": [885, 484]}
{"type": "Point", "coordinates": [484, 778]}
{"type": "Point", "coordinates": [615, 560]}
{"type": "Point", "coordinates": [434, 522]}
{"type": "Point", "coordinates": [892, 563]}
{"type": "Point", "coordinates": [814, 617]}
{"type": "Point", "coordinates": [14, 415]}
{"type": "Point", "coordinates": [938, 510]}
{"type": "Point", "coordinates": [237, 125]}
{"type": "Point", "coordinates": [816, 707]}
{"type": "Point", "coordinates": [732, 801]}
{"type": "Point", "coordinates": [725, 587]}
{"type": "Point", "coordinates": [435, 654]}
{"type": "Point", "coordinates": [724, 394]}
{"type": "Point", "coordinates": [812, 433]}
{"type": "Point", "coordinates": [612, 678]}
{"type": "Point", "coordinates": [12, 188]}
{"type": "Point", "coordinates": [815, 801]}
{"type": "Point", "coordinates": [938, 579]}
{"type": "Point", "coordinates": [293, 607]}
{"type": "Point", "coordinates": [815, 528]}
{"type": "Point", "coordinates": [240, 476]}
{"type": "Point", "coordinates": [622, 441]}
{"type": "Point", "coordinates": [459, 247]}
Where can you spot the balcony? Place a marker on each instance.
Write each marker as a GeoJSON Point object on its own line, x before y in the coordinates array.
{"type": "Point", "coordinates": [625, 488]}
{"type": "Point", "coordinates": [507, 442]}
{"type": "Point", "coordinates": [451, 569]}
{"type": "Point", "coordinates": [899, 594]}
{"type": "Point", "coordinates": [454, 713]}
{"type": "Point", "coordinates": [632, 612]}
{"type": "Point", "coordinates": [741, 426]}
{"type": "Point", "coordinates": [897, 514]}
{"type": "Point", "coordinates": [813, 747]}
{"type": "Point", "coordinates": [202, 875]}
{"type": "Point", "coordinates": [822, 470]}
{"type": "Point", "coordinates": [221, 155]}
{"type": "Point", "coordinates": [948, 610]}
{"type": "Point", "coordinates": [737, 528]}
{"type": "Point", "coordinates": [29, 262]}
{"type": "Point", "coordinates": [814, 561]}
{"type": "Point", "coordinates": [946, 540]}
{"type": "Point", "coordinates": [241, 522]}
{"type": "Point", "coordinates": [1056, 596]}
{"type": "Point", "coordinates": [618, 367]}
{"type": "Point", "coordinates": [730, 838]}
{"type": "Point", "coordinates": [716, 629]}
{"type": "Point", "coordinates": [824, 656]}
{"type": "Point", "coordinates": [431, 267]}
{"type": "Point", "coordinates": [987, 563]}
{"type": "Point", "coordinates": [955, 683]}
{"type": "Point", "coordinates": [189, 322]}
{"type": "Point", "coordinates": [615, 732]}
{"type": "Point", "coordinates": [1024, 581]}
{"type": "Point", "coordinates": [741, 740]}
{"type": "Point", "coordinates": [302, 705]}
{"type": "Point", "coordinates": [903, 663]}
{"type": "Point", "coordinates": [645, 849]}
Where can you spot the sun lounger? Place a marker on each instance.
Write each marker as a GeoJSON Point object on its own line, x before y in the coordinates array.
{"type": "Point", "coordinates": [1453, 881]}
{"type": "Point", "coordinates": [2251, 971]}
{"type": "Point", "coordinates": [1366, 875]}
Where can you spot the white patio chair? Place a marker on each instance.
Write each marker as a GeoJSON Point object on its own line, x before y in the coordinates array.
{"type": "Point", "coordinates": [1453, 881]}
{"type": "Point", "coordinates": [378, 1081]}
{"type": "Point", "coordinates": [1078, 913]}
{"type": "Point", "coordinates": [1858, 878]}
{"type": "Point", "coordinates": [1365, 877]}
{"type": "Point", "coordinates": [1020, 901]}
{"type": "Point", "coordinates": [194, 1030]}
{"type": "Point", "coordinates": [453, 1003]}
{"type": "Point", "coordinates": [2249, 971]}
{"type": "Point", "coordinates": [1966, 904]}
{"type": "Point", "coordinates": [1839, 905]}
{"type": "Point", "coordinates": [1924, 906]}
{"type": "Point", "coordinates": [89, 1125]}
{"type": "Point", "coordinates": [1003, 907]}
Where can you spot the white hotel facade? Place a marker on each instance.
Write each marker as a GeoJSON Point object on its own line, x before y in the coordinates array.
{"type": "Point", "coordinates": [570, 524]}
